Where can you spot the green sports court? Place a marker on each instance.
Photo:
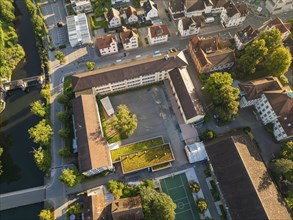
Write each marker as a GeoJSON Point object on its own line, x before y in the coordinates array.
{"type": "Point", "coordinates": [177, 188]}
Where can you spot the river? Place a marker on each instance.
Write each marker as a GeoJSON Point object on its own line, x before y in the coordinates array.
{"type": "Point", "coordinates": [20, 171]}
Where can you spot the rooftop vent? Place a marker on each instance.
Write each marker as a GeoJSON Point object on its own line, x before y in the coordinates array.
{"type": "Point", "coordinates": [285, 118]}
{"type": "Point", "coordinates": [289, 125]}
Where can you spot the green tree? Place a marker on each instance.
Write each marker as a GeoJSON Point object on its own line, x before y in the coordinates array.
{"type": "Point", "coordinates": [38, 108]}
{"type": "Point", "coordinates": [46, 93]}
{"type": "Point", "coordinates": [63, 99]}
{"type": "Point", "coordinates": [202, 205]}
{"type": "Point", "coordinates": [282, 166]}
{"type": "Point", "coordinates": [64, 116]}
{"type": "Point", "coordinates": [7, 11]}
{"type": "Point", "coordinates": [272, 38]}
{"type": "Point", "coordinates": [90, 65]}
{"type": "Point", "coordinates": [64, 152]}
{"type": "Point", "coordinates": [279, 61]}
{"type": "Point", "coordinates": [1, 167]}
{"type": "Point", "coordinates": [157, 205]}
{"type": "Point", "coordinates": [30, 7]}
{"type": "Point", "coordinates": [70, 177]}
{"type": "Point", "coordinates": [60, 56]}
{"type": "Point", "coordinates": [194, 187]}
{"type": "Point", "coordinates": [46, 214]}
{"type": "Point", "coordinates": [41, 133]}
{"type": "Point", "coordinates": [74, 209]}
{"type": "Point", "coordinates": [287, 150]}
{"type": "Point", "coordinates": [42, 159]}
{"type": "Point", "coordinates": [64, 132]}
{"type": "Point", "coordinates": [217, 81]}
{"type": "Point", "coordinates": [124, 121]}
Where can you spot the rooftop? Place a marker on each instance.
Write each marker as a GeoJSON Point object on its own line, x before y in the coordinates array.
{"type": "Point", "coordinates": [279, 24]}
{"type": "Point", "coordinates": [127, 34]}
{"type": "Point", "coordinates": [188, 21]}
{"type": "Point", "coordinates": [149, 5]}
{"type": "Point", "coordinates": [130, 11]}
{"type": "Point", "coordinates": [105, 41]}
{"type": "Point", "coordinates": [247, 34]}
{"type": "Point", "coordinates": [159, 30]}
{"type": "Point", "coordinates": [112, 13]}
{"type": "Point", "coordinates": [280, 101]}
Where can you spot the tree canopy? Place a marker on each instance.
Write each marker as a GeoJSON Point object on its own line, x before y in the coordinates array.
{"type": "Point", "coordinates": [287, 150]}
{"type": "Point", "coordinates": [70, 177]}
{"type": "Point", "coordinates": [41, 133]}
{"type": "Point", "coordinates": [157, 205]}
{"type": "Point", "coordinates": [1, 167]}
{"type": "Point", "coordinates": [42, 159]}
{"type": "Point", "coordinates": [38, 108]}
{"type": "Point", "coordinates": [202, 205]}
{"type": "Point", "coordinates": [90, 65]}
{"type": "Point", "coordinates": [60, 56]}
{"type": "Point", "coordinates": [46, 214]}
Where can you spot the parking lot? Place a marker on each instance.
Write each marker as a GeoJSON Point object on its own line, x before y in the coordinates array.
{"type": "Point", "coordinates": [155, 118]}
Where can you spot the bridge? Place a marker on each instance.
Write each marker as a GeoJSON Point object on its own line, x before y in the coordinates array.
{"type": "Point", "coordinates": [22, 83]}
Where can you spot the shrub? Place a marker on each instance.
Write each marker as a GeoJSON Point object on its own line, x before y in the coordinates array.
{"type": "Point", "coordinates": [74, 209]}
{"type": "Point", "coordinates": [283, 80]}
{"type": "Point", "coordinates": [208, 135]}
{"type": "Point", "coordinates": [194, 187]}
{"type": "Point", "coordinates": [64, 152]}
{"type": "Point", "coordinates": [62, 46]}
{"type": "Point", "coordinates": [202, 205]}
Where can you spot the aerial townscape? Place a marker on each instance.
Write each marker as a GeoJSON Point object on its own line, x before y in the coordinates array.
{"type": "Point", "coordinates": [146, 109]}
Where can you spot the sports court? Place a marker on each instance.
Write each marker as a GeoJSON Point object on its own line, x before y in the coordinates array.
{"type": "Point", "coordinates": [177, 188]}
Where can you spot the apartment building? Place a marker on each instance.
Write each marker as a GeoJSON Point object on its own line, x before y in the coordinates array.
{"type": "Point", "coordinates": [189, 26]}
{"type": "Point", "coordinates": [245, 36]}
{"type": "Point", "coordinates": [129, 39]}
{"type": "Point", "coordinates": [107, 45]}
{"type": "Point", "coordinates": [113, 18]}
{"type": "Point", "coordinates": [158, 34]}
{"type": "Point", "coordinates": [233, 14]}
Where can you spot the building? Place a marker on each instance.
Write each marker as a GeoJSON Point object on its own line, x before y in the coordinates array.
{"type": "Point", "coordinates": [150, 10]}
{"type": "Point", "coordinates": [279, 6]}
{"type": "Point", "coordinates": [131, 15]}
{"type": "Point", "coordinates": [120, 3]}
{"type": "Point", "coordinates": [176, 8]}
{"type": "Point", "coordinates": [244, 37]}
{"type": "Point", "coordinates": [284, 28]}
{"type": "Point", "coordinates": [210, 54]}
{"type": "Point", "coordinates": [195, 152]}
{"type": "Point", "coordinates": [129, 39]}
{"type": "Point", "coordinates": [113, 18]}
{"type": "Point", "coordinates": [93, 152]}
{"type": "Point", "coordinates": [107, 45]}
{"type": "Point", "coordinates": [158, 34]}
{"type": "Point", "coordinates": [81, 6]}
{"type": "Point", "coordinates": [127, 208]}
{"type": "Point", "coordinates": [78, 30]}
{"type": "Point", "coordinates": [189, 26]}
{"type": "Point", "coordinates": [273, 104]}
{"type": "Point", "coordinates": [185, 96]}
{"type": "Point", "coordinates": [243, 179]}
{"type": "Point", "coordinates": [233, 14]}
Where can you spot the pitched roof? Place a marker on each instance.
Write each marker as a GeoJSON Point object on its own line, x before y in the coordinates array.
{"type": "Point", "coordinates": [209, 44]}
{"type": "Point", "coordinates": [126, 35]}
{"type": "Point", "coordinates": [253, 89]}
{"type": "Point", "coordinates": [127, 208]}
{"type": "Point", "coordinates": [188, 21]}
{"type": "Point", "coordinates": [278, 23]}
{"type": "Point", "coordinates": [233, 9]}
{"type": "Point", "coordinates": [93, 150]}
{"type": "Point", "coordinates": [159, 30]}
{"type": "Point", "coordinates": [186, 94]}
{"type": "Point", "coordinates": [242, 8]}
{"type": "Point", "coordinates": [105, 41]}
{"type": "Point", "coordinates": [130, 11]}
{"type": "Point", "coordinates": [281, 101]}
{"type": "Point", "coordinates": [247, 34]}
{"type": "Point", "coordinates": [99, 77]}
{"type": "Point", "coordinates": [243, 179]}
{"type": "Point", "coordinates": [112, 13]}
{"type": "Point", "coordinates": [194, 5]}
{"type": "Point", "coordinates": [93, 206]}
{"type": "Point", "coordinates": [149, 5]}
{"type": "Point", "coordinates": [176, 5]}
{"type": "Point", "coordinates": [218, 3]}
{"type": "Point", "coordinates": [287, 123]}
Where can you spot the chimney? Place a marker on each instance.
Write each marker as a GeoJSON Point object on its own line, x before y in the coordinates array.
{"type": "Point", "coordinates": [289, 125]}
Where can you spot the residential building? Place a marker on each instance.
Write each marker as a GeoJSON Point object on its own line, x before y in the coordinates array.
{"type": "Point", "coordinates": [131, 15]}
{"type": "Point", "coordinates": [150, 10]}
{"type": "Point", "coordinates": [129, 39]}
{"type": "Point", "coordinates": [189, 26]}
{"type": "Point", "coordinates": [120, 3]}
{"type": "Point", "coordinates": [93, 152]}
{"type": "Point", "coordinates": [81, 6]}
{"type": "Point", "coordinates": [184, 93]}
{"type": "Point", "coordinates": [176, 8]}
{"type": "Point", "coordinates": [243, 180]}
{"type": "Point", "coordinates": [197, 7]}
{"type": "Point", "coordinates": [107, 45]}
{"type": "Point", "coordinates": [233, 14]}
{"type": "Point", "coordinates": [245, 36]}
{"type": "Point", "coordinates": [127, 208]}
{"type": "Point", "coordinates": [113, 18]}
{"type": "Point", "coordinates": [94, 205]}
{"type": "Point", "coordinates": [284, 28]}
{"type": "Point", "coordinates": [158, 34]}
{"type": "Point", "coordinates": [78, 30]}
{"type": "Point", "coordinates": [279, 6]}
{"type": "Point", "coordinates": [273, 104]}
{"type": "Point", "coordinates": [210, 54]}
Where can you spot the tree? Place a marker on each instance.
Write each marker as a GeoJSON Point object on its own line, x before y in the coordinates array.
{"type": "Point", "coordinates": [157, 205]}
{"type": "Point", "coordinates": [41, 133]}
{"type": "Point", "coordinates": [70, 177]}
{"type": "Point", "coordinates": [194, 187]}
{"type": "Point", "coordinates": [46, 93]}
{"type": "Point", "coordinates": [282, 166]}
{"type": "Point", "coordinates": [216, 81]}
{"type": "Point", "coordinates": [63, 116]}
{"type": "Point", "coordinates": [1, 167]}
{"type": "Point", "coordinates": [287, 150]}
{"type": "Point", "coordinates": [60, 56]}
{"type": "Point", "coordinates": [64, 132]}
{"type": "Point", "coordinates": [124, 121]}
{"type": "Point", "coordinates": [279, 61]}
{"type": "Point", "coordinates": [38, 108]}
{"type": "Point", "coordinates": [42, 159]}
{"type": "Point", "coordinates": [272, 38]}
{"type": "Point", "coordinates": [202, 205]}
{"type": "Point", "coordinates": [63, 99]}
{"type": "Point", "coordinates": [46, 214]}
{"type": "Point", "coordinates": [74, 209]}
{"type": "Point", "coordinates": [64, 152]}
{"type": "Point", "coordinates": [90, 65]}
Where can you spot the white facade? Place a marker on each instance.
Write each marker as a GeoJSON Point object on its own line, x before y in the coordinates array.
{"type": "Point", "coordinates": [78, 31]}
{"type": "Point", "coordinates": [113, 2]}
{"type": "Point", "coordinates": [279, 6]}
{"type": "Point", "coordinates": [265, 110]}
{"type": "Point", "coordinates": [114, 22]}
{"type": "Point", "coordinates": [279, 132]}
{"type": "Point", "coordinates": [157, 39]}
{"type": "Point", "coordinates": [113, 48]}
{"type": "Point", "coordinates": [81, 6]}
{"type": "Point", "coordinates": [152, 10]}
{"type": "Point", "coordinates": [235, 20]}
{"type": "Point", "coordinates": [132, 19]}
{"type": "Point", "coordinates": [192, 29]}
{"type": "Point", "coordinates": [132, 43]}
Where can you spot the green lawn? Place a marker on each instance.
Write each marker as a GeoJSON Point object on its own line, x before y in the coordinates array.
{"type": "Point", "coordinates": [131, 148]}
{"type": "Point", "coordinates": [146, 158]}
{"type": "Point", "coordinates": [161, 166]}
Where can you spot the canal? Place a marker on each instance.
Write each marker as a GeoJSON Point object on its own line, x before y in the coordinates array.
{"type": "Point", "coordinates": [20, 171]}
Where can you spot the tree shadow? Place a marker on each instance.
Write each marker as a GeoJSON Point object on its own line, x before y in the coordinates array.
{"type": "Point", "coordinates": [265, 181]}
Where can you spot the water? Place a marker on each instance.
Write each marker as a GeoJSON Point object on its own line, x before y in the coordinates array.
{"type": "Point", "coordinates": [20, 171]}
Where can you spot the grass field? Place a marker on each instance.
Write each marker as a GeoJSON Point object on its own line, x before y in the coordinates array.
{"type": "Point", "coordinates": [131, 148]}
{"type": "Point", "coordinates": [146, 158]}
{"type": "Point", "coordinates": [177, 188]}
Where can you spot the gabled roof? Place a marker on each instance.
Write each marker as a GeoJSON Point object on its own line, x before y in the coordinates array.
{"type": "Point", "coordinates": [218, 3]}
{"type": "Point", "coordinates": [278, 23]}
{"type": "Point", "coordinates": [255, 88]}
{"type": "Point", "coordinates": [93, 206]}
{"type": "Point", "coordinates": [93, 151]}
{"type": "Point", "coordinates": [130, 11]}
{"type": "Point", "coordinates": [176, 5]}
{"type": "Point", "coordinates": [281, 101]}
{"type": "Point", "coordinates": [194, 5]}
{"type": "Point", "coordinates": [233, 9]}
{"type": "Point", "coordinates": [105, 41]}
{"type": "Point", "coordinates": [209, 44]}
{"type": "Point", "coordinates": [287, 123]}
{"type": "Point", "coordinates": [243, 179]}
{"type": "Point", "coordinates": [242, 8]}
{"type": "Point", "coordinates": [159, 30]}
{"type": "Point", "coordinates": [126, 35]}
{"type": "Point", "coordinates": [188, 21]}
{"type": "Point", "coordinates": [112, 13]}
{"type": "Point", "coordinates": [149, 5]}
{"type": "Point", "coordinates": [247, 34]}
{"type": "Point", "coordinates": [103, 76]}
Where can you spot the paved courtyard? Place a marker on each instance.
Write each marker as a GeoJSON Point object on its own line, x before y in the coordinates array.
{"type": "Point", "coordinates": [155, 118]}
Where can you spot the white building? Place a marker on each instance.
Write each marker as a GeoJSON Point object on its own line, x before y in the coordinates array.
{"type": "Point", "coordinates": [150, 10]}
{"type": "Point", "coordinates": [158, 34]}
{"type": "Point", "coordinates": [196, 152]}
{"type": "Point", "coordinates": [279, 6]}
{"type": "Point", "coordinates": [284, 28]}
{"type": "Point", "coordinates": [113, 18]}
{"type": "Point", "coordinates": [189, 26]}
{"type": "Point", "coordinates": [129, 39]}
{"type": "Point", "coordinates": [79, 6]}
{"type": "Point", "coordinates": [233, 14]}
{"type": "Point", "coordinates": [107, 45]}
{"type": "Point", "coordinates": [120, 3]}
{"type": "Point", "coordinates": [131, 15]}
{"type": "Point", "coordinates": [78, 31]}
{"type": "Point", "coordinates": [244, 37]}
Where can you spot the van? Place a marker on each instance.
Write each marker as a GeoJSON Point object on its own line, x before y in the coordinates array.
{"type": "Point", "coordinates": [209, 20]}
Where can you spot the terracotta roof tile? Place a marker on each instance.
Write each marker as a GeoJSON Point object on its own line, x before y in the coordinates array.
{"type": "Point", "coordinates": [159, 30]}
{"type": "Point", "coordinates": [105, 41]}
{"type": "Point", "coordinates": [130, 11]}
